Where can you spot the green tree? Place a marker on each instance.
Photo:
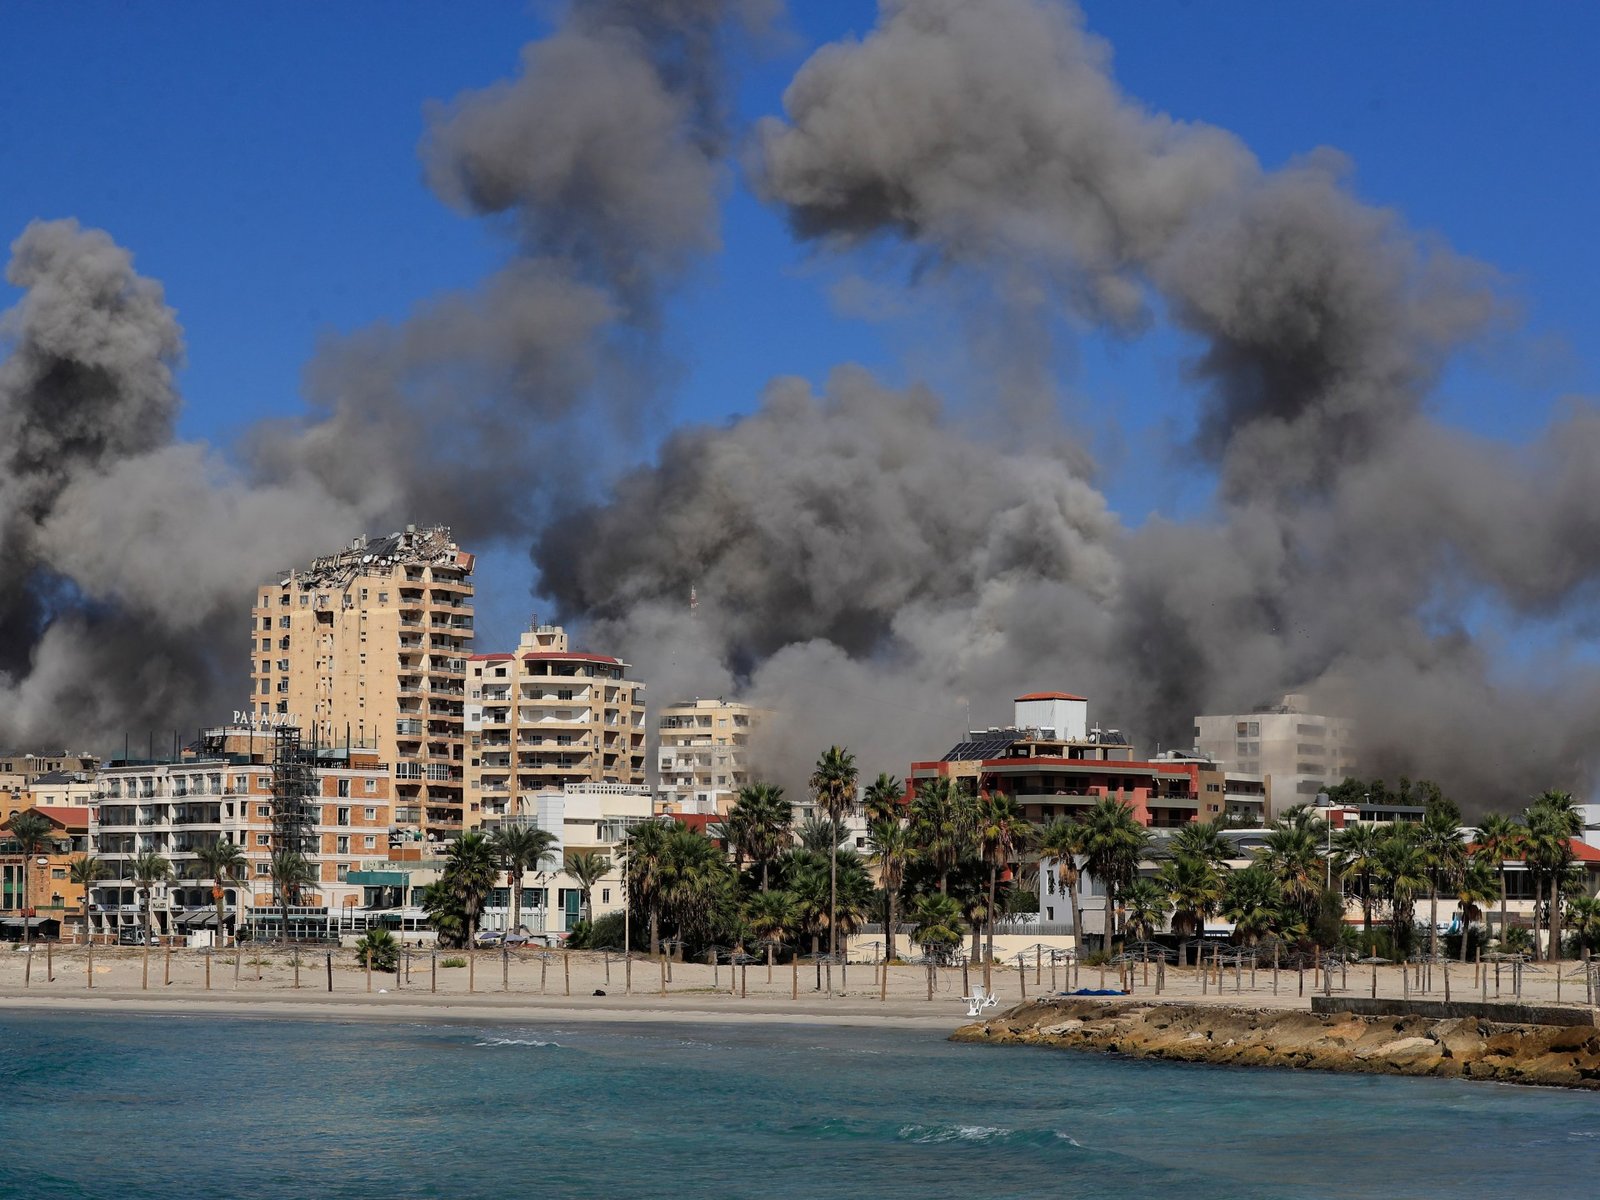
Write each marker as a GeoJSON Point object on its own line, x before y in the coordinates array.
{"type": "Point", "coordinates": [833, 785]}
{"type": "Point", "coordinates": [1002, 832]}
{"type": "Point", "coordinates": [588, 868]}
{"type": "Point", "coordinates": [693, 873]}
{"type": "Point", "coordinates": [1404, 876]}
{"type": "Point", "coordinates": [1355, 849]}
{"type": "Point", "coordinates": [385, 950]}
{"type": "Point", "coordinates": [765, 821]}
{"type": "Point", "coordinates": [31, 831]}
{"type": "Point", "coordinates": [1114, 844]}
{"type": "Point", "coordinates": [1252, 899]}
{"type": "Point", "coordinates": [642, 857]}
{"type": "Point", "coordinates": [774, 918]}
{"type": "Point", "coordinates": [943, 822]}
{"type": "Point", "coordinates": [1195, 889]}
{"type": "Point", "coordinates": [1292, 851]}
{"type": "Point", "coordinates": [1061, 840]}
{"type": "Point", "coordinates": [1583, 915]}
{"type": "Point", "coordinates": [1203, 840]}
{"type": "Point", "coordinates": [1500, 838]}
{"type": "Point", "coordinates": [1443, 852]}
{"type": "Point", "coordinates": [882, 800]}
{"type": "Point", "coordinates": [223, 863]}
{"type": "Point", "coordinates": [149, 869]}
{"type": "Point", "coordinates": [520, 849]}
{"type": "Point", "coordinates": [85, 871]}
{"type": "Point", "coordinates": [890, 844]}
{"type": "Point", "coordinates": [820, 835]}
{"type": "Point", "coordinates": [1147, 906]}
{"type": "Point", "coordinates": [1474, 889]}
{"type": "Point", "coordinates": [1553, 820]}
{"type": "Point", "coordinates": [471, 869]}
{"type": "Point", "coordinates": [937, 917]}
{"type": "Point", "coordinates": [291, 874]}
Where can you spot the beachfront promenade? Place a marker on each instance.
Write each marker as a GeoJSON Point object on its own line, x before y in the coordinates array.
{"type": "Point", "coordinates": [529, 982]}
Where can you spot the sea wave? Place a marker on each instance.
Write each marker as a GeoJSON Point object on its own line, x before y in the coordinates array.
{"type": "Point", "coordinates": [506, 1041]}
{"type": "Point", "coordinates": [995, 1134]}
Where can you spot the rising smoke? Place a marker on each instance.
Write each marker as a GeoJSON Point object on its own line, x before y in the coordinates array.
{"type": "Point", "coordinates": [863, 563]}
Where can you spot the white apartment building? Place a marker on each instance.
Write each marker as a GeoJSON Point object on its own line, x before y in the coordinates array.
{"type": "Point", "coordinates": [1297, 753]}
{"type": "Point", "coordinates": [703, 754]}
{"type": "Point", "coordinates": [544, 717]}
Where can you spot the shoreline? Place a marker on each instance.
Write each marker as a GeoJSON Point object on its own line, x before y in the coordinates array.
{"type": "Point", "coordinates": [1411, 1044]}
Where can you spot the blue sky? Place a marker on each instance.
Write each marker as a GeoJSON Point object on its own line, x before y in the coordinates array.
{"type": "Point", "coordinates": [260, 161]}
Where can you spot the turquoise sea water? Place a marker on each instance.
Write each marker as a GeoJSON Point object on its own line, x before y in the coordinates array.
{"type": "Point", "coordinates": [164, 1107]}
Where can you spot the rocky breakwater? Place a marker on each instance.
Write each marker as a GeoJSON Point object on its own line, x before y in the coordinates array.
{"type": "Point", "coordinates": [1458, 1047]}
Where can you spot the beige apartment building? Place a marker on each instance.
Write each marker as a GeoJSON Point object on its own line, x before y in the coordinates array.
{"type": "Point", "coordinates": [1298, 753]}
{"type": "Point", "coordinates": [703, 754]}
{"type": "Point", "coordinates": [368, 648]}
{"type": "Point", "coordinates": [544, 717]}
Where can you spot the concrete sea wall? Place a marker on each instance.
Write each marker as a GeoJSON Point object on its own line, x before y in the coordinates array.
{"type": "Point", "coordinates": [1467, 1047]}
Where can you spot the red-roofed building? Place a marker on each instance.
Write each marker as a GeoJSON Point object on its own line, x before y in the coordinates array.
{"type": "Point", "coordinates": [543, 717]}
{"type": "Point", "coordinates": [52, 900]}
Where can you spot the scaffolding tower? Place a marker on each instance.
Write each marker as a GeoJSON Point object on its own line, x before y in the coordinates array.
{"type": "Point", "coordinates": [294, 790]}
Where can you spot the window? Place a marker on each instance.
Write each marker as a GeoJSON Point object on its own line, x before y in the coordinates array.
{"type": "Point", "coordinates": [344, 790]}
{"type": "Point", "coordinates": [266, 686]}
{"type": "Point", "coordinates": [266, 622]}
{"type": "Point", "coordinates": [371, 814]}
{"type": "Point", "coordinates": [372, 787]}
{"type": "Point", "coordinates": [363, 595]}
{"type": "Point", "coordinates": [266, 643]}
{"type": "Point", "coordinates": [263, 839]}
{"type": "Point", "coordinates": [605, 895]}
{"type": "Point", "coordinates": [343, 872]}
{"type": "Point", "coordinates": [343, 844]}
{"type": "Point", "coordinates": [342, 817]}
{"type": "Point", "coordinates": [305, 600]}
{"type": "Point", "coordinates": [263, 870]}
{"type": "Point", "coordinates": [369, 842]}
{"type": "Point", "coordinates": [283, 600]}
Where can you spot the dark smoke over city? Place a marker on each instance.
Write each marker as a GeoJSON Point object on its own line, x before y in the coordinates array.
{"type": "Point", "coordinates": [865, 559]}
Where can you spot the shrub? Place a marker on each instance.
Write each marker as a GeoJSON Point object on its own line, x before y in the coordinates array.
{"type": "Point", "coordinates": [453, 961]}
{"type": "Point", "coordinates": [385, 950]}
{"type": "Point", "coordinates": [599, 934]}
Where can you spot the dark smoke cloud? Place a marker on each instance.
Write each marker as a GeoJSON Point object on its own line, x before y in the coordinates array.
{"type": "Point", "coordinates": [128, 556]}
{"type": "Point", "coordinates": [1349, 531]}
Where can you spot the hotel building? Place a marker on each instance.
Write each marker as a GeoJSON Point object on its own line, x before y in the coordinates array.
{"type": "Point", "coordinates": [368, 648]}
{"type": "Point", "coordinates": [703, 755]}
{"type": "Point", "coordinates": [1298, 752]}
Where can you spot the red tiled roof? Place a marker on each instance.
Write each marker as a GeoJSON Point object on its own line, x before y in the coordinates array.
{"type": "Point", "coordinates": [560, 655]}
{"type": "Point", "coordinates": [1583, 852]}
{"type": "Point", "coordinates": [1051, 696]}
{"type": "Point", "coordinates": [60, 815]}
{"type": "Point", "coordinates": [488, 657]}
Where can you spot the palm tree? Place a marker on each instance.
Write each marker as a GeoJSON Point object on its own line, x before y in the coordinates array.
{"type": "Point", "coordinates": [1114, 843]}
{"type": "Point", "coordinates": [882, 801]}
{"type": "Point", "coordinates": [1194, 888]}
{"type": "Point", "coordinates": [149, 869]}
{"type": "Point", "coordinates": [891, 846]}
{"type": "Point", "coordinates": [471, 869]}
{"type": "Point", "coordinates": [1002, 831]}
{"type": "Point", "coordinates": [774, 918]}
{"type": "Point", "coordinates": [1356, 854]}
{"type": "Point", "coordinates": [30, 830]}
{"type": "Point", "coordinates": [291, 874]}
{"type": "Point", "coordinates": [1553, 821]}
{"type": "Point", "coordinates": [938, 920]}
{"type": "Point", "coordinates": [1404, 876]}
{"type": "Point", "coordinates": [693, 872]}
{"type": "Point", "coordinates": [1443, 850]}
{"type": "Point", "coordinates": [521, 848]}
{"type": "Point", "coordinates": [943, 818]}
{"type": "Point", "coordinates": [384, 948]}
{"type": "Point", "coordinates": [588, 868]}
{"type": "Point", "coordinates": [223, 863]}
{"type": "Point", "coordinates": [1500, 838]}
{"type": "Point", "coordinates": [1251, 899]}
{"type": "Point", "coordinates": [1062, 840]}
{"type": "Point", "coordinates": [85, 871]}
{"type": "Point", "coordinates": [1147, 907]}
{"type": "Point", "coordinates": [765, 824]}
{"type": "Point", "coordinates": [642, 855]}
{"type": "Point", "coordinates": [1292, 851]}
{"type": "Point", "coordinates": [1474, 888]}
{"type": "Point", "coordinates": [1584, 914]}
{"type": "Point", "coordinates": [1203, 840]}
{"type": "Point", "coordinates": [833, 783]}
{"type": "Point", "coordinates": [820, 835]}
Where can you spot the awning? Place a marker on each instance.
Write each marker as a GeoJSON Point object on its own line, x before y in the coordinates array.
{"type": "Point", "coordinates": [17, 922]}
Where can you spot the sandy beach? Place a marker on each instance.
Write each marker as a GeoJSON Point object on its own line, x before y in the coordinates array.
{"type": "Point", "coordinates": [556, 986]}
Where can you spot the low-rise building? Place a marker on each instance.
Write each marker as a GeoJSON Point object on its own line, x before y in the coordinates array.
{"type": "Point", "coordinates": [51, 903]}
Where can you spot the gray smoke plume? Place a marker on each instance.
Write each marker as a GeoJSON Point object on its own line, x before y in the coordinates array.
{"type": "Point", "coordinates": [126, 556]}
{"type": "Point", "coordinates": [1349, 534]}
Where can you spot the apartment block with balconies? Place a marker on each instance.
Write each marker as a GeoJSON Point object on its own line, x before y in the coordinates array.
{"type": "Point", "coordinates": [368, 648]}
{"type": "Point", "coordinates": [547, 716]}
{"type": "Point", "coordinates": [703, 754]}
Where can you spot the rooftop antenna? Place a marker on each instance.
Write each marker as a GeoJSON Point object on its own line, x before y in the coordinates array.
{"type": "Point", "coordinates": [694, 600]}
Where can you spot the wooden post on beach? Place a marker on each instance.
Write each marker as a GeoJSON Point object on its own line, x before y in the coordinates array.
{"type": "Point", "coordinates": [1275, 969]}
{"type": "Point", "coordinates": [544, 969]}
{"type": "Point", "coordinates": [49, 962]}
{"type": "Point", "coordinates": [1483, 978]}
{"type": "Point", "coordinates": [505, 968]}
{"type": "Point", "coordinates": [883, 987]}
{"type": "Point", "coordinates": [566, 969]}
{"type": "Point", "coordinates": [1205, 973]}
{"type": "Point", "coordinates": [1102, 975]}
{"type": "Point", "coordinates": [1405, 981]}
{"type": "Point", "coordinates": [1497, 979]}
{"type": "Point", "coordinates": [296, 969]}
{"type": "Point", "coordinates": [744, 979]}
{"type": "Point", "coordinates": [258, 964]}
{"type": "Point", "coordinates": [1300, 969]}
{"type": "Point", "coordinates": [208, 971]}
{"type": "Point", "coordinates": [1374, 976]}
{"type": "Point", "coordinates": [329, 961]}
{"type": "Point", "coordinates": [369, 968]}
{"type": "Point", "coordinates": [1327, 979]}
{"type": "Point", "coordinates": [663, 972]}
{"type": "Point", "coordinates": [794, 980]}
{"type": "Point", "coordinates": [1558, 976]}
{"type": "Point", "coordinates": [472, 971]}
{"type": "Point", "coordinates": [433, 968]}
{"type": "Point", "coordinates": [27, 965]}
{"type": "Point", "coordinates": [1238, 974]}
{"type": "Point", "coordinates": [1038, 963]}
{"type": "Point", "coordinates": [144, 984]}
{"type": "Point", "coordinates": [930, 981]}
{"type": "Point", "coordinates": [237, 953]}
{"type": "Point", "coordinates": [89, 946]}
{"type": "Point", "coordinates": [1022, 977]}
{"type": "Point", "coordinates": [166, 968]}
{"type": "Point", "coordinates": [1053, 986]}
{"type": "Point", "coordinates": [1161, 974]}
{"type": "Point", "coordinates": [1253, 972]}
{"type": "Point", "coordinates": [1446, 968]}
